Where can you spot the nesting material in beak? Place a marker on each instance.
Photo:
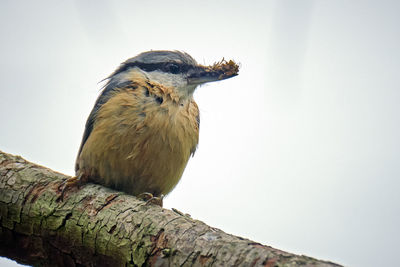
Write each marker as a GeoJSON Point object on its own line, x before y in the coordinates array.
{"type": "Point", "coordinates": [218, 71]}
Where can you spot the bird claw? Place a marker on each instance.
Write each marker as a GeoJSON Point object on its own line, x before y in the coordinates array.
{"type": "Point", "coordinates": [149, 198]}
{"type": "Point", "coordinates": [68, 183]}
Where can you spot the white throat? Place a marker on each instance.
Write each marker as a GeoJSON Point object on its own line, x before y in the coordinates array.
{"type": "Point", "coordinates": [177, 81]}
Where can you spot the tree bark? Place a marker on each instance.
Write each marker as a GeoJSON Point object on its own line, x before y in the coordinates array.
{"type": "Point", "coordinates": [96, 226]}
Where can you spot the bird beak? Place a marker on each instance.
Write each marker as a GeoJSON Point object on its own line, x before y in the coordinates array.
{"type": "Point", "coordinates": [219, 71]}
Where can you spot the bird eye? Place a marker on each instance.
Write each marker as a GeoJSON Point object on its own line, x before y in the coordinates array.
{"type": "Point", "coordinates": [173, 68]}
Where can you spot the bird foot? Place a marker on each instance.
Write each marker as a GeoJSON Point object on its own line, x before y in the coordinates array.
{"type": "Point", "coordinates": [75, 181]}
{"type": "Point", "coordinates": [149, 198]}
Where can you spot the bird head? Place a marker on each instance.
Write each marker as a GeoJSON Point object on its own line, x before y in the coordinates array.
{"type": "Point", "coordinates": [174, 69]}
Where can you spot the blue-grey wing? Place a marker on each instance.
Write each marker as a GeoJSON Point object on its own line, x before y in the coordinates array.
{"type": "Point", "coordinates": [101, 100]}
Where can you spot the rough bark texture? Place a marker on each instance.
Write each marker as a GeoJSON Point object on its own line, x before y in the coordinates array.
{"type": "Point", "coordinates": [96, 226]}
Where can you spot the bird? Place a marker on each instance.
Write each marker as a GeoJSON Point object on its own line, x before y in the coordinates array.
{"type": "Point", "coordinates": [144, 125]}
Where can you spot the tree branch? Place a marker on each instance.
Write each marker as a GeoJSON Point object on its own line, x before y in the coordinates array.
{"type": "Point", "coordinates": [96, 226]}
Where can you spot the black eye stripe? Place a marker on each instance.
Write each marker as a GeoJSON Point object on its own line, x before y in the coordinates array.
{"type": "Point", "coordinates": [170, 67]}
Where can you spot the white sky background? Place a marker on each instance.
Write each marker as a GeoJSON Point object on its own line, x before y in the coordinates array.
{"type": "Point", "coordinates": [300, 151]}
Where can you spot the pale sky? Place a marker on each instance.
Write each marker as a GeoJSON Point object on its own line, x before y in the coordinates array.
{"type": "Point", "coordinates": [300, 151]}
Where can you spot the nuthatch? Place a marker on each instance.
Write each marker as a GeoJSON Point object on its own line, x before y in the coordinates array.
{"type": "Point", "coordinates": [144, 125]}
